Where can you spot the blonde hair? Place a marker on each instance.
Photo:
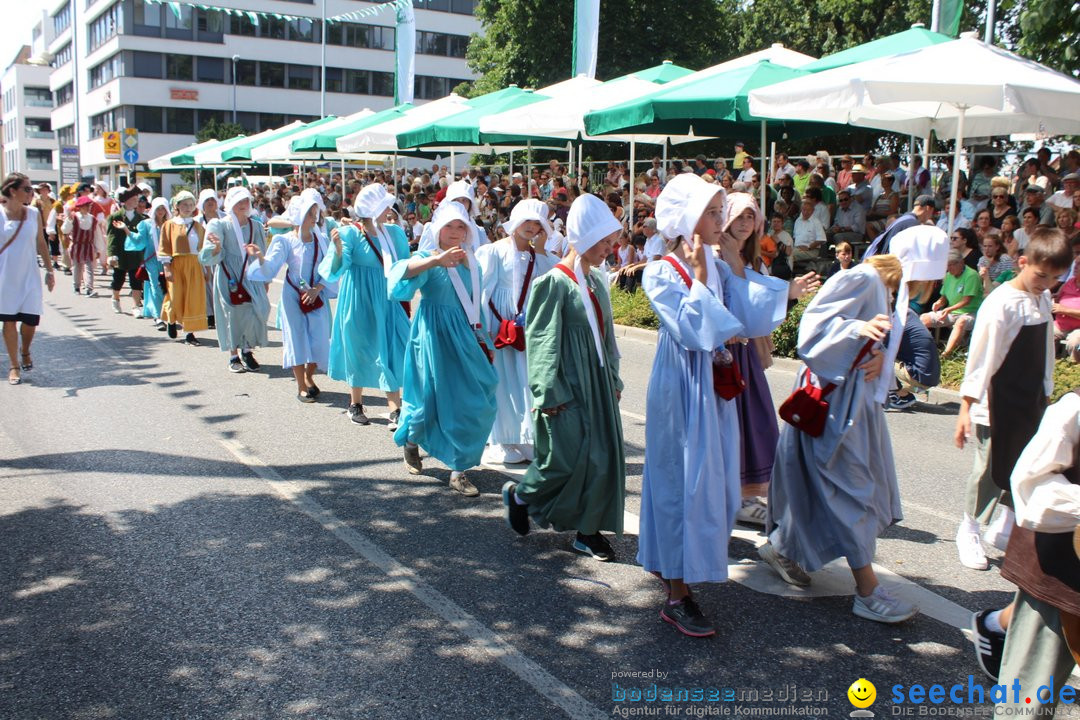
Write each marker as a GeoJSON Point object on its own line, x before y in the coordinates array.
{"type": "Point", "coordinates": [889, 268]}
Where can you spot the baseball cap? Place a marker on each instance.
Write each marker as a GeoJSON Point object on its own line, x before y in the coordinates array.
{"type": "Point", "coordinates": [1071, 176]}
{"type": "Point", "coordinates": [1034, 188]}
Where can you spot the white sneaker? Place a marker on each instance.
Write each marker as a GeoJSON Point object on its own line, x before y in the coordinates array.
{"type": "Point", "coordinates": [752, 512]}
{"type": "Point", "coordinates": [969, 546]}
{"type": "Point", "coordinates": [997, 535]}
{"type": "Point", "coordinates": [116, 307]}
{"type": "Point", "coordinates": [883, 607]}
{"type": "Point", "coordinates": [514, 456]}
{"type": "Point", "coordinates": [136, 312]}
{"type": "Point", "coordinates": [496, 455]}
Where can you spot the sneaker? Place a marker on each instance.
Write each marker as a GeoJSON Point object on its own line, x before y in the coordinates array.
{"type": "Point", "coordinates": [190, 339]}
{"type": "Point", "coordinates": [356, 414]}
{"type": "Point", "coordinates": [395, 416]}
{"type": "Point", "coordinates": [136, 312]}
{"type": "Point", "coordinates": [883, 607]}
{"type": "Point", "coordinates": [67, 271]}
{"type": "Point", "coordinates": [997, 535]}
{"type": "Point", "coordinates": [91, 293]}
{"type": "Point", "coordinates": [210, 324]}
{"type": "Point", "coordinates": [77, 289]}
{"type": "Point", "coordinates": [161, 326]}
{"type": "Point", "coordinates": [116, 307]}
{"type": "Point", "coordinates": [173, 328]}
{"type": "Point", "coordinates": [970, 547]}
{"type": "Point", "coordinates": [459, 482]}
{"type": "Point", "coordinates": [248, 361]}
{"type": "Point", "coordinates": [901, 402]}
{"type": "Point", "coordinates": [412, 459]}
{"type": "Point", "coordinates": [517, 515]}
{"type": "Point", "coordinates": [752, 512]}
{"type": "Point", "coordinates": [596, 546]}
{"type": "Point", "coordinates": [989, 645]}
{"type": "Point", "coordinates": [235, 366]}
{"type": "Point", "coordinates": [788, 570]}
{"type": "Point", "coordinates": [687, 618]}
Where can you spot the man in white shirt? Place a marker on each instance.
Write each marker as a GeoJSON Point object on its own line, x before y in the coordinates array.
{"type": "Point", "coordinates": [1064, 198]}
{"type": "Point", "coordinates": [850, 223]}
{"type": "Point", "coordinates": [783, 167]}
{"type": "Point", "coordinates": [748, 172]}
{"type": "Point", "coordinates": [809, 236]}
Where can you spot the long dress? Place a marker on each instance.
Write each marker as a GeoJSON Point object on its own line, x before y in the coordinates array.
{"type": "Point", "coordinates": [20, 281]}
{"type": "Point", "coordinates": [578, 480]}
{"type": "Point", "coordinates": [238, 326]}
{"type": "Point", "coordinates": [504, 269]}
{"type": "Point", "coordinates": [690, 486]}
{"type": "Point", "coordinates": [305, 336]}
{"type": "Point", "coordinates": [367, 344]}
{"type": "Point", "coordinates": [185, 302]}
{"type": "Point", "coordinates": [146, 241]}
{"type": "Point", "coordinates": [448, 397]}
{"type": "Point", "coordinates": [831, 496]}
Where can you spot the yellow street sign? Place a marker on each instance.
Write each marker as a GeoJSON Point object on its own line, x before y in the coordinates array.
{"type": "Point", "coordinates": [112, 143]}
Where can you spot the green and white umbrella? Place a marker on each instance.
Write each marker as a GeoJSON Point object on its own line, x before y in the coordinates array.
{"type": "Point", "coordinates": [242, 152]}
{"type": "Point", "coordinates": [322, 144]}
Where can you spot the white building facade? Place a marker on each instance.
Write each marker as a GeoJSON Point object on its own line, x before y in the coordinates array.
{"type": "Point", "coordinates": [29, 143]}
{"type": "Point", "coordinates": [118, 64]}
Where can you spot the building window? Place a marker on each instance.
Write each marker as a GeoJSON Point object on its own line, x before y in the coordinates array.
{"type": "Point", "coordinates": [65, 94]}
{"type": "Point", "coordinates": [102, 122]}
{"type": "Point", "coordinates": [356, 35]}
{"type": "Point", "coordinates": [211, 70]}
{"type": "Point", "coordinates": [62, 57]}
{"type": "Point", "coordinates": [272, 27]}
{"type": "Point", "coordinates": [382, 83]}
{"type": "Point", "coordinates": [178, 67]}
{"type": "Point", "coordinates": [210, 25]}
{"type": "Point", "coordinates": [62, 19]}
{"type": "Point", "coordinates": [37, 97]}
{"type": "Point", "coordinates": [246, 72]}
{"type": "Point", "coordinates": [271, 74]}
{"type": "Point", "coordinates": [303, 31]}
{"type": "Point", "coordinates": [145, 65]}
{"type": "Point", "coordinates": [180, 121]}
{"type": "Point", "coordinates": [38, 128]}
{"type": "Point", "coordinates": [179, 28]}
{"type": "Point", "coordinates": [249, 121]}
{"type": "Point", "coordinates": [105, 26]}
{"type": "Point", "coordinates": [357, 82]}
{"type": "Point", "coordinates": [270, 121]}
{"type": "Point", "coordinates": [304, 77]}
{"type": "Point", "coordinates": [204, 117]}
{"type": "Point", "coordinates": [39, 159]}
{"type": "Point", "coordinates": [146, 19]}
{"type": "Point", "coordinates": [242, 25]}
{"type": "Point", "coordinates": [335, 80]}
{"type": "Point", "coordinates": [148, 119]}
{"type": "Point", "coordinates": [106, 71]}
{"type": "Point", "coordinates": [66, 135]}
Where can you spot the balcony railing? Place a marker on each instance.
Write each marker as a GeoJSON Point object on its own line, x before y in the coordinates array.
{"type": "Point", "coordinates": [38, 102]}
{"type": "Point", "coordinates": [34, 165]}
{"type": "Point", "coordinates": [40, 134]}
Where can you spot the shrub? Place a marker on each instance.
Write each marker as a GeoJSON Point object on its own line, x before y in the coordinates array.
{"type": "Point", "coordinates": [633, 309]}
{"type": "Point", "coordinates": [786, 337]}
{"type": "Point", "coordinates": [1066, 375]}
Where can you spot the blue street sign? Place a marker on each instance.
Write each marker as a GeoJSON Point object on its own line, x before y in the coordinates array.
{"type": "Point", "coordinates": [131, 156]}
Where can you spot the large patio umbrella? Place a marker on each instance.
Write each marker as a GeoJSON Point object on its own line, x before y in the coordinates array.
{"type": "Point", "coordinates": [915, 37]}
{"type": "Point", "coordinates": [280, 148]}
{"type": "Point", "coordinates": [242, 152]}
{"type": "Point", "coordinates": [213, 156]}
{"type": "Point", "coordinates": [184, 158]}
{"type": "Point", "coordinates": [382, 137]}
{"type": "Point", "coordinates": [323, 143]}
{"type": "Point", "coordinates": [951, 88]}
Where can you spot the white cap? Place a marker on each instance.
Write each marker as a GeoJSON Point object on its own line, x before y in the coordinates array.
{"type": "Point", "coordinates": [206, 194]}
{"type": "Point", "coordinates": [308, 198]}
{"type": "Point", "coordinates": [462, 189]}
{"type": "Point", "coordinates": [445, 214]}
{"type": "Point", "coordinates": [236, 194]}
{"type": "Point", "coordinates": [589, 221]}
{"type": "Point", "coordinates": [923, 252]}
{"type": "Point", "coordinates": [681, 204]}
{"type": "Point", "coordinates": [372, 201]}
{"type": "Point", "coordinates": [525, 211]}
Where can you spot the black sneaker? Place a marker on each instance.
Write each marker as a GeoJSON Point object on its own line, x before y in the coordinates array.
{"type": "Point", "coordinates": [595, 546]}
{"type": "Point", "coordinates": [989, 645]}
{"type": "Point", "coordinates": [248, 361]}
{"type": "Point", "coordinates": [901, 402]}
{"type": "Point", "coordinates": [210, 322]}
{"type": "Point", "coordinates": [517, 515]}
{"type": "Point", "coordinates": [687, 618]}
{"type": "Point", "coordinates": [412, 459]}
{"type": "Point", "coordinates": [395, 416]}
{"type": "Point", "coordinates": [356, 414]}
{"type": "Point", "coordinates": [235, 366]}
{"type": "Point", "coordinates": [173, 328]}
{"type": "Point", "coordinates": [190, 339]}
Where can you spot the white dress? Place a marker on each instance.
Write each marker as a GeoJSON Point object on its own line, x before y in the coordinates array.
{"type": "Point", "coordinates": [20, 281]}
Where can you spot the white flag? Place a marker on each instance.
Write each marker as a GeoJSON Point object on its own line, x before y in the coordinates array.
{"type": "Point", "coordinates": [586, 36]}
{"type": "Point", "coordinates": [405, 53]}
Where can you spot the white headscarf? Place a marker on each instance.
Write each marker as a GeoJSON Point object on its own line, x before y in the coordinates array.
{"type": "Point", "coordinates": [525, 211]}
{"type": "Point", "coordinates": [680, 206]}
{"type": "Point", "coordinates": [292, 211]}
{"type": "Point", "coordinates": [589, 221]}
{"type": "Point", "coordinates": [155, 231]}
{"type": "Point", "coordinates": [237, 194]}
{"type": "Point", "coordinates": [923, 252]}
{"type": "Point", "coordinates": [371, 203]}
{"type": "Point", "coordinates": [462, 189]}
{"type": "Point", "coordinates": [206, 194]}
{"type": "Point", "coordinates": [308, 199]}
{"type": "Point", "coordinates": [470, 303]}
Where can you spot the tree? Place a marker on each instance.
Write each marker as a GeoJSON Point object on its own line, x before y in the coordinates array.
{"type": "Point", "coordinates": [1050, 34]}
{"type": "Point", "coordinates": [217, 130]}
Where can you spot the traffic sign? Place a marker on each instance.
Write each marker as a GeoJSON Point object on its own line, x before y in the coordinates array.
{"type": "Point", "coordinates": [131, 138]}
{"type": "Point", "coordinates": [131, 156]}
{"type": "Point", "coordinates": [112, 143]}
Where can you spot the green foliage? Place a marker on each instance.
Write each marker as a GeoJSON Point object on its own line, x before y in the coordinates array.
{"type": "Point", "coordinates": [214, 130]}
{"type": "Point", "coordinates": [1050, 34]}
{"type": "Point", "coordinates": [1066, 374]}
{"type": "Point", "coordinates": [633, 309]}
{"type": "Point", "coordinates": [786, 337]}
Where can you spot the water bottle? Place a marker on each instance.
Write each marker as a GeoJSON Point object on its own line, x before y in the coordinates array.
{"type": "Point", "coordinates": [723, 357]}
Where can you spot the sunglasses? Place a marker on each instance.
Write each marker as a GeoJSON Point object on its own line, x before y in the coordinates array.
{"type": "Point", "coordinates": [998, 195]}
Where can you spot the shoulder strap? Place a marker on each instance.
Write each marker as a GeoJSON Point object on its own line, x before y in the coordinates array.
{"type": "Point", "coordinates": [525, 283]}
{"type": "Point", "coordinates": [374, 247]}
{"type": "Point", "coordinates": [825, 390]}
{"type": "Point", "coordinates": [26, 214]}
{"type": "Point", "coordinates": [592, 296]}
{"type": "Point", "coordinates": [679, 268]}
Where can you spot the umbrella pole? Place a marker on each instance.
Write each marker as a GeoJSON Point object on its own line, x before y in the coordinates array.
{"type": "Point", "coordinates": [452, 170]}
{"type": "Point", "coordinates": [633, 152]}
{"type": "Point", "coordinates": [663, 161]}
{"type": "Point", "coordinates": [956, 166]}
{"type": "Point", "coordinates": [579, 164]}
{"type": "Point", "coordinates": [910, 186]}
{"type": "Point", "coordinates": [764, 159]}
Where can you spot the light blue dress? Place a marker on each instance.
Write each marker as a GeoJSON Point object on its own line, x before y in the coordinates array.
{"type": "Point", "coordinates": [448, 397]}
{"type": "Point", "coordinates": [238, 326]}
{"type": "Point", "coordinates": [831, 496]}
{"type": "Point", "coordinates": [305, 336]}
{"type": "Point", "coordinates": [146, 240]}
{"type": "Point", "coordinates": [504, 268]}
{"type": "Point", "coordinates": [367, 344]}
{"type": "Point", "coordinates": [691, 487]}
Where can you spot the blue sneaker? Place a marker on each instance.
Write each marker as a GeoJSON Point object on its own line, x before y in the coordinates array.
{"type": "Point", "coordinates": [595, 546]}
{"type": "Point", "coordinates": [901, 402]}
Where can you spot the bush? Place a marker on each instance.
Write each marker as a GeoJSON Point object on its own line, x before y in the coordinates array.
{"type": "Point", "coordinates": [786, 337]}
{"type": "Point", "coordinates": [1066, 375]}
{"type": "Point", "coordinates": [633, 309]}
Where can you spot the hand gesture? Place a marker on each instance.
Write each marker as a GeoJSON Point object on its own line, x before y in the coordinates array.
{"type": "Point", "coordinates": [452, 257]}
{"type": "Point", "coordinates": [804, 284]}
{"type": "Point", "coordinates": [984, 272]}
{"type": "Point", "coordinates": [335, 236]}
{"type": "Point", "coordinates": [119, 225]}
{"type": "Point", "coordinates": [309, 296]}
{"type": "Point", "coordinates": [877, 328]}
{"type": "Point", "coordinates": [699, 259]}
{"type": "Point", "coordinates": [554, 410]}
{"type": "Point", "coordinates": [214, 240]}
{"type": "Point", "coordinates": [872, 367]}
{"type": "Point", "coordinates": [254, 251]}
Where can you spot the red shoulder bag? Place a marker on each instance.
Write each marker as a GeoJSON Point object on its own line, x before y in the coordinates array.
{"type": "Point", "coordinates": [512, 330]}
{"type": "Point", "coordinates": [807, 408]}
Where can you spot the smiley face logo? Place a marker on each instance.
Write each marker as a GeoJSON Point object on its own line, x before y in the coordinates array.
{"type": "Point", "coordinates": [862, 693]}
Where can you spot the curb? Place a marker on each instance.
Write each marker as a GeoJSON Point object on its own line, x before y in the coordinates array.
{"type": "Point", "coordinates": [935, 396]}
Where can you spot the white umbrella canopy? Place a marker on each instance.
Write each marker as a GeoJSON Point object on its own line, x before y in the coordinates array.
{"type": "Point", "coordinates": [383, 137]}
{"type": "Point", "coordinates": [212, 155]}
{"type": "Point", "coordinates": [279, 150]}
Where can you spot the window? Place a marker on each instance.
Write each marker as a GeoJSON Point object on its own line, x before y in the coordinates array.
{"type": "Point", "coordinates": [145, 65]}
{"type": "Point", "coordinates": [106, 71]}
{"type": "Point", "coordinates": [178, 67]}
{"type": "Point", "coordinates": [463, 7]}
{"type": "Point", "coordinates": [148, 119]}
{"type": "Point", "coordinates": [212, 70]}
{"type": "Point", "coordinates": [358, 82]}
{"type": "Point", "coordinates": [361, 36]}
{"type": "Point", "coordinates": [269, 121]}
{"type": "Point", "coordinates": [242, 25]}
{"type": "Point", "coordinates": [382, 83]}
{"type": "Point", "coordinates": [272, 27]}
{"type": "Point", "coordinates": [335, 80]}
{"type": "Point", "coordinates": [432, 88]}
{"type": "Point", "coordinates": [37, 97]}
{"type": "Point", "coordinates": [146, 19]}
{"type": "Point", "coordinates": [303, 31]}
{"type": "Point", "coordinates": [39, 159]}
{"type": "Point", "coordinates": [272, 74]}
{"type": "Point", "coordinates": [180, 121]}
{"type": "Point", "coordinates": [204, 117]}
{"type": "Point", "coordinates": [179, 28]}
{"type": "Point", "coordinates": [249, 121]}
{"type": "Point", "coordinates": [38, 128]}
{"type": "Point", "coordinates": [66, 135]}
{"type": "Point", "coordinates": [246, 72]}
{"type": "Point", "coordinates": [62, 19]}
{"type": "Point", "coordinates": [65, 94]}
{"type": "Point", "coordinates": [102, 122]}
{"type": "Point", "coordinates": [105, 26]}
{"type": "Point", "coordinates": [304, 77]}
{"type": "Point", "coordinates": [62, 57]}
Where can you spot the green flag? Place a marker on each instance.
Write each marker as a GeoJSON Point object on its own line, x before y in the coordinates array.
{"type": "Point", "coordinates": [949, 17]}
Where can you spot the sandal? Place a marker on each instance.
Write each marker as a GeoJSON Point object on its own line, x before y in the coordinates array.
{"type": "Point", "coordinates": [28, 363]}
{"type": "Point", "coordinates": [14, 378]}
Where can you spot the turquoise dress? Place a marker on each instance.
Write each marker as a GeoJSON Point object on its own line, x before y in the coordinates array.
{"type": "Point", "coordinates": [146, 240]}
{"type": "Point", "coordinates": [448, 397]}
{"type": "Point", "coordinates": [367, 343]}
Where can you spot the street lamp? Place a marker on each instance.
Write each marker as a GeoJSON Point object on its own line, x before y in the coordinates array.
{"type": "Point", "coordinates": [235, 59]}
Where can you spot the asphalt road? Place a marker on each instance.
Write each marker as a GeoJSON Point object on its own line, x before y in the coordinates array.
{"type": "Point", "coordinates": [181, 542]}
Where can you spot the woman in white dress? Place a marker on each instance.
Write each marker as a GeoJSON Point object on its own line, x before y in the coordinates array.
{"type": "Point", "coordinates": [20, 284]}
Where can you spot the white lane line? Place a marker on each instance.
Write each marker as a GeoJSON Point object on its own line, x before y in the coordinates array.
{"type": "Point", "coordinates": [483, 639]}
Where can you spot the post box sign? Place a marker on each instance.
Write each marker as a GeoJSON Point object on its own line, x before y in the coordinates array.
{"type": "Point", "coordinates": [184, 94]}
{"type": "Point", "coordinates": [112, 143]}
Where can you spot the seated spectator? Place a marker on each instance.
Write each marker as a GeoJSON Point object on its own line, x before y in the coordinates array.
{"type": "Point", "coordinates": [850, 223]}
{"type": "Point", "coordinates": [845, 259]}
{"type": "Point", "coordinates": [1066, 309]}
{"type": "Point", "coordinates": [1029, 220]}
{"type": "Point", "coordinates": [748, 172]}
{"type": "Point", "coordinates": [801, 178]}
{"type": "Point", "coordinates": [995, 266]}
{"type": "Point", "coordinates": [626, 261]}
{"type": "Point", "coordinates": [921, 214]}
{"type": "Point", "coordinates": [999, 207]}
{"type": "Point", "coordinates": [843, 177]}
{"type": "Point", "coordinates": [860, 188]}
{"type": "Point", "coordinates": [1035, 197]}
{"type": "Point", "coordinates": [965, 242]}
{"type": "Point", "coordinates": [1008, 237]}
{"type": "Point", "coordinates": [1066, 222]}
{"type": "Point", "coordinates": [809, 236]}
{"type": "Point", "coordinates": [918, 367]}
{"type": "Point", "coordinates": [961, 295]}
{"type": "Point", "coordinates": [959, 220]}
{"type": "Point", "coordinates": [828, 195]}
{"type": "Point", "coordinates": [982, 225]}
{"type": "Point", "coordinates": [783, 244]}
{"type": "Point", "coordinates": [821, 210]}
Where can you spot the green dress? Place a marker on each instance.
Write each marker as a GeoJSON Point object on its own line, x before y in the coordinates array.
{"type": "Point", "coordinates": [578, 481]}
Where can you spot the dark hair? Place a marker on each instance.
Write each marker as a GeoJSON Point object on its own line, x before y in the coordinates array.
{"type": "Point", "coordinates": [1047, 246]}
{"type": "Point", "coordinates": [1032, 211]}
{"type": "Point", "coordinates": [12, 183]}
{"type": "Point", "coordinates": [971, 240]}
{"type": "Point", "coordinates": [814, 193]}
{"type": "Point", "coordinates": [804, 164]}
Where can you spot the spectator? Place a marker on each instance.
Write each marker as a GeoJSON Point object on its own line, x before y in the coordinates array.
{"type": "Point", "coordinates": [748, 171]}
{"type": "Point", "coordinates": [783, 167]}
{"type": "Point", "coordinates": [918, 367]}
{"type": "Point", "coordinates": [860, 189]}
{"type": "Point", "coordinates": [850, 223]}
{"type": "Point", "coordinates": [886, 203]}
{"type": "Point", "coordinates": [1066, 223]}
{"type": "Point", "coordinates": [828, 195]}
{"type": "Point", "coordinates": [999, 207]}
{"type": "Point", "coordinates": [845, 259]}
{"type": "Point", "coordinates": [781, 240]}
{"type": "Point", "coordinates": [965, 242]}
{"type": "Point", "coordinates": [1008, 236]}
{"type": "Point", "coordinates": [959, 220]}
{"type": "Point", "coordinates": [740, 154]}
{"type": "Point", "coordinates": [821, 210]}
{"type": "Point", "coordinates": [658, 171]}
{"type": "Point", "coordinates": [808, 237]}
{"type": "Point", "coordinates": [995, 266]}
{"type": "Point", "coordinates": [1029, 220]}
{"type": "Point", "coordinates": [921, 213]}
{"type": "Point", "coordinates": [1066, 308]}
{"type": "Point", "coordinates": [801, 178]}
{"type": "Point", "coordinates": [961, 295]}
{"type": "Point", "coordinates": [982, 224]}
{"type": "Point", "coordinates": [844, 178]}
{"type": "Point", "coordinates": [979, 191]}
{"type": "Point", "coordinates": [721, 168]}
{"type": "Point", "coordinates": [918, 178]}
{"type": "Point", "coordinates": [1064, 198]}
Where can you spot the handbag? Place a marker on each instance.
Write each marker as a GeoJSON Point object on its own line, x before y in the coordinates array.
{"type": "Point", "coordinates": [305, 307]}
{"type": "Point", "coordinates": [141, 274]}
{"type": "Point", "coordinates": [807, 408]}
{"type": "Point", "coordinates": [728, 381]}
{"type": "Point", "coordinates": [238, 294]}
{"type": "Point", "coordinates": [512, 330]}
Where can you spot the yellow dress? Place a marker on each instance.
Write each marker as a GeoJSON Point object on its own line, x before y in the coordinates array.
{"type": "Point", "coordinates": [185, 303]}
